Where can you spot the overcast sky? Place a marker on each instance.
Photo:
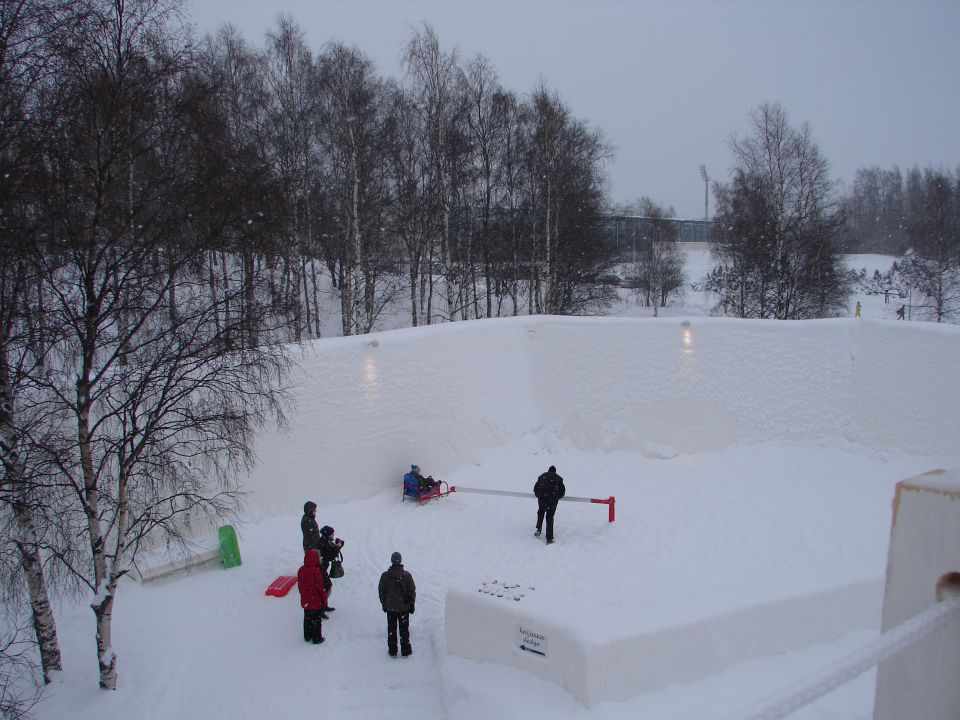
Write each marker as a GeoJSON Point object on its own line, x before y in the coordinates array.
{"type": "Point", "coordinates": [668, 82]}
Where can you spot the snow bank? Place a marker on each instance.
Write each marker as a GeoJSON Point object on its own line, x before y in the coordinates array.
{"type": "Point", "coordinates": [441, 396]}
{"type": "Point", "coordinates": [527, 628]}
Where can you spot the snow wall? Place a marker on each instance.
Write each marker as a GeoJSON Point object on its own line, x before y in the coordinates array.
{"type": "Point", "coordinates": [532, 635]}
{"type": "Point", "coordinates": [366, 407]}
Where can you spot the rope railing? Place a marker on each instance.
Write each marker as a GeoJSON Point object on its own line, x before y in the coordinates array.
{"type": "Point", "coordinates": [795, 696]}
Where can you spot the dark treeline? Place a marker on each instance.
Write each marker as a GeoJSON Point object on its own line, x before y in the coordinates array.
{"type": "Point", "coordinates": [783, 230]}
{"type": "Point", "coordinates": [915, 217]}
{"type": "Point", "coordinates": [442, 188]}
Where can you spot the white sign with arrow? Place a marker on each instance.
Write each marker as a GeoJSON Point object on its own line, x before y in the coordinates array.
{"type": "Point", "coordinates": [531, 641]}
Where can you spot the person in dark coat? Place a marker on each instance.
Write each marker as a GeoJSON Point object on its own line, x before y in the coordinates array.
{"type": "Point", "coordinates": [312, 540]}
{"type": "Point", "coordinates": [329, 547]}
{"type": "Point", "coordinates": [398, 597]}
{"type": "Point", "coordinates": [425, 484]}
{"type": "Point", "coordinates": [308, 525]}
{"type": "Point", "coordinates": [313, 596]}
{"type": "Point", "coordinates": [548, 489]}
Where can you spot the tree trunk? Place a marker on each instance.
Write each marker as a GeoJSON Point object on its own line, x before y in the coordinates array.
{"type": "Point", "coordinates": [212, 284]}
{"type": "Point", "coordinates": [107, 658]}
{"type": "Point", "coordinates": [413, 290]}
{"type": "Point", "coordinates": [172, 291]}
{"type": "Point", "coordinates": [447, 261]}
{"type": "Point", "coordinates": [28, 544]}
{"type": "Point", "coordinates": [316, 300]}
{"type": "Point", "coordinates": [44, 624]}
{"type": "Point", "coordinates": [230, 328]}
{"type": "Point", "coordinates": [346, 300]}
{"type": "Point", "coordinates": [357, 239]}
{"type": "Point", "coordinates": [249, 323]}
{"type": "Point", "coordinates": [306, 293]}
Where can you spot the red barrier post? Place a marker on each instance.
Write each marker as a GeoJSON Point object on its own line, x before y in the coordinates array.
{"type": "Point", "coordinates": [610, 502]}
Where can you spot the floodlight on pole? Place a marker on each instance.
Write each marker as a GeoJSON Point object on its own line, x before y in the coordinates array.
{"type": "Point", "coordinates": [706, 193]}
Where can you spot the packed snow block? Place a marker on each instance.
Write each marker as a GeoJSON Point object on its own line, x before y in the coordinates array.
{"type": "Point", "coordinates": [205, 552]}
{"type": "Point", "coordinates": [924, 553]}
{"type": "Point", "coordinates": [617, 654]}
{"type": "Point", "coordinates": [151, 567]}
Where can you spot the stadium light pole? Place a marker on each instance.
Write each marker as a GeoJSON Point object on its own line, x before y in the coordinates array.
{"type": "Point", "coordinates": [706, 186]}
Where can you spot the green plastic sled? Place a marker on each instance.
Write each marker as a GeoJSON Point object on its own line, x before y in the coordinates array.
{"type": "Point", "coordinates": [229, 549]}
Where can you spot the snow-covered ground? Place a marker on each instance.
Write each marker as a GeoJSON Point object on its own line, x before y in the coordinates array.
{"type": "Point", "coordinates": [751, 461]}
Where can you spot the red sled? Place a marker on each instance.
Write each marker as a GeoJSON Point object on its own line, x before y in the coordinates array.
{"type": "Point", "coordinates": [281, 586]}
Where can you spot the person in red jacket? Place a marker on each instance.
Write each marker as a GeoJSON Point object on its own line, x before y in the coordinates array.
{"type": "Point", "coordinates": [313, 596]}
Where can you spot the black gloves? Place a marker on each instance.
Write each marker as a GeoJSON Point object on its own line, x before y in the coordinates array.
{"type": "Point", "coordinates": [411, 609]}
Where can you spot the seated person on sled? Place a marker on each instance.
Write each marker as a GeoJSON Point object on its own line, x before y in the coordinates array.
{"type": "Point", "coordinates": [424, 484]}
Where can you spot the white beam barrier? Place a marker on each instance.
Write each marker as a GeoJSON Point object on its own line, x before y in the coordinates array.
{"type": "Point", "coordinates": [610, 502]}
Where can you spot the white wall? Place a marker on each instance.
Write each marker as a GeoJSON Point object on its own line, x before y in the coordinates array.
{"type": "Point", "coordinates": [439, 396]}
{"type": "Point", "coordinates": [921, 681]}
{"type": "Point", "coordinates": [595, 667]}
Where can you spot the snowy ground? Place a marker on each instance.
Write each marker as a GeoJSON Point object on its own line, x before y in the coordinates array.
{"type": "Point", "coordinates": [784, 489]}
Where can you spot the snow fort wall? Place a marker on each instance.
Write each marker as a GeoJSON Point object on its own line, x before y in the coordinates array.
{"type": "Point", "coordinates": [367, 407]}
{"type": "Point", "coordinates": [532, 629]}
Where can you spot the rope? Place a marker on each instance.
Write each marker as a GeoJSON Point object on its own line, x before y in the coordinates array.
{"type": "Point", "coordinates": [805, 691]}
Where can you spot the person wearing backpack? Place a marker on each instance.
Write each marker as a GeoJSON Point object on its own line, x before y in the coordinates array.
{"type": "Point", "coordinates": [398, 597]}
{"type": "Point", "coordinates": [548, 489]}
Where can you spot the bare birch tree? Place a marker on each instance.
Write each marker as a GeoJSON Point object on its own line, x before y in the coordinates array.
{"type": "Point", "coordinates": [411, 214]}
{"type": "Point", "coordinates": [564, 170]}
{"type": "Point", "coordinates": [353, 134]}
{"type": "Point", "coordinates": [25, 66]}
{"type": "Point", "coordinates": [432, 74]}
{"type": "Point", "coordinates": [156, 415]}
{"type": "Point", "coordinates": [778, 252]}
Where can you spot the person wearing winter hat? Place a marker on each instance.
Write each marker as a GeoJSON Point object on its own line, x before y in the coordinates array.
{"type": "Point", "coordinates": [329, 547]}
{"type": "Point", "coordinates": [398, 597]}
{"type": "Point", "coordinates": [549, 489]}
{"type": "Point", "coordinates": [313, 596]}
{"type": "Point", "coordinates": [426, 484]}
{"type": "Point", "coordinates": [308, 525]}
